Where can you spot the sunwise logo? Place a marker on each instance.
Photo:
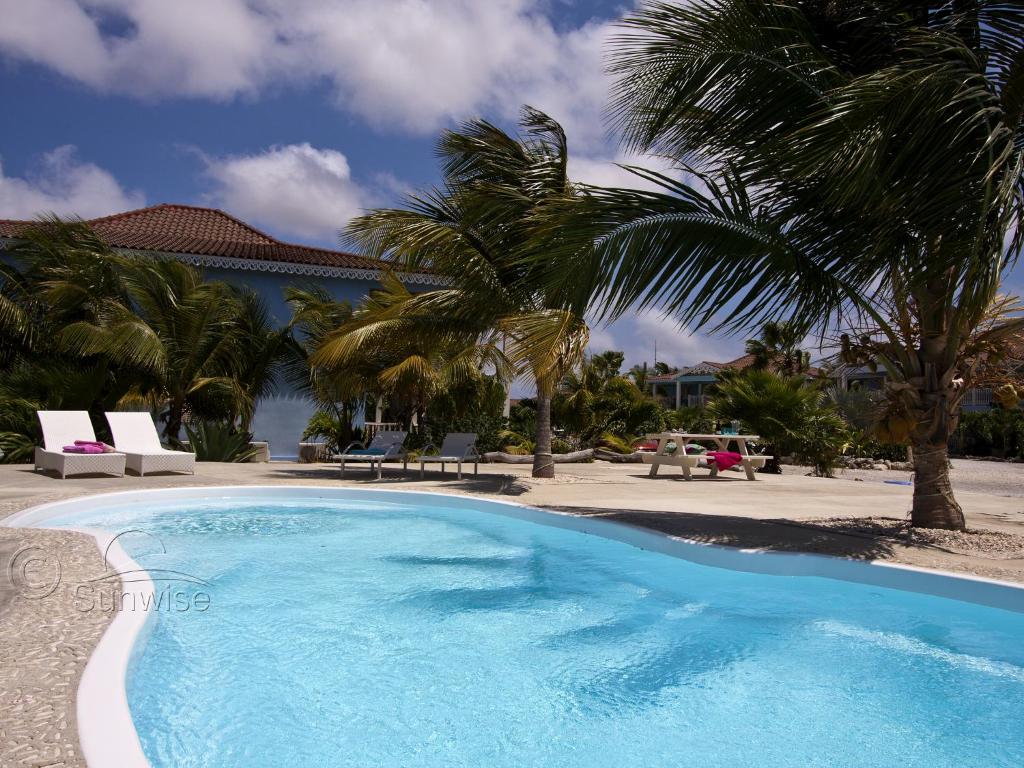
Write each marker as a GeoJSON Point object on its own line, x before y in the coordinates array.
{"type": "Point", "coordinates": [37, 573]}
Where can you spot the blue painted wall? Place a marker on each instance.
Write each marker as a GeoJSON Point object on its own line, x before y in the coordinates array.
{"type": "Point", "coordinates": [271, 285]}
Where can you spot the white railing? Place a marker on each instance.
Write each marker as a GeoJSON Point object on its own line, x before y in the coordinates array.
{"type": "Point", "coordinates": [371, 428]}
{"type": "Point", "coordinates": [696, 401]}
{"type": "Point", "coordinates": [979, 397]}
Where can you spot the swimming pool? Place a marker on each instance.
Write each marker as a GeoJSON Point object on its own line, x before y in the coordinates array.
{"type": "Point", "coordinates": [359, 629]}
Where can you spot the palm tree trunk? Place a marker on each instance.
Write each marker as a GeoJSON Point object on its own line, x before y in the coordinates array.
{"type": "Point", "coordinates": [934, 503]}
{"type": "Point", "coordinates": [543, 466]}
{"type": "Point", "coordinates": [175, 413]}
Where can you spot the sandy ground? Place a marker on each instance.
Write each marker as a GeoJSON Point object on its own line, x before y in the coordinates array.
{"type": "Point", "coordinates": [997, 478]}
{"type": "Point", "coordinates": [45, 641]}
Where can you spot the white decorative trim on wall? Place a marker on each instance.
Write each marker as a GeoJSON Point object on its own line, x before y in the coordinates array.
{"type": "Point", "coordinates": [278, 267]}
{"type": "Point", "coordinates": [286, 267]}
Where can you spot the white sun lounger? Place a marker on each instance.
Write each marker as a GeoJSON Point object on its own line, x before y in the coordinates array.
{"type": "Point", "coordinates": [62, 428]}
{"type": "Point", "coordinates": [458, 447]}
{"type": "Point", "coordinates": [135, 435]}
{"type": "Point", "coordinates": [385, 446]}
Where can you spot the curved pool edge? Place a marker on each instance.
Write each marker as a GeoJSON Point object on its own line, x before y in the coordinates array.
{"type": "Point", "coordinates": [107, 732]}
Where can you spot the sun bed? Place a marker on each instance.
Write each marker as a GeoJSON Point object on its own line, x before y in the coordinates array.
{"type": "Point", "coordinates": [458, 447]}
{"type": "Point", "coordinates": [62, 428]}
{"type": "Point", "coordinates": [385, 446]}
{"type": "Point", "coordinates": [135, 435]}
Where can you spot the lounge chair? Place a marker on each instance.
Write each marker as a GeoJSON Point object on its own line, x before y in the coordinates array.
{"type": "Point", "coordinates": [386, 445]}
{"type": "Point", "coordinates": [458, 447]}
{"type": "Point", "coordinates": [62, 428]}
{"type": "Point", "coordinates": [135, 435]}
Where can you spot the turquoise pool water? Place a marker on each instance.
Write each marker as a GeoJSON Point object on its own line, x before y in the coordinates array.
{"type": "Point", "coordinates": [358, 633]}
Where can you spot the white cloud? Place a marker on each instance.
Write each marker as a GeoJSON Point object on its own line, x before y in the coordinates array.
{"type": "Point", "coordinates": [64, 185]}
{"type": "Point", "coordinates": [296, 189]}
{"type": "Point", "coordinates": [609, 172]}
{"type": "Point", "coordinates": [635, 336]}
{"type": "Point", "coordinates": [410, 64]}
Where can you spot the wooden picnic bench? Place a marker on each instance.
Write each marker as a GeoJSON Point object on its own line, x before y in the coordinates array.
{"type": "Point", "coordinates": [686, 462]}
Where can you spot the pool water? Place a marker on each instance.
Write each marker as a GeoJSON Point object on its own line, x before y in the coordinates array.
{"type": "Point", "coordinates": [356, 633]}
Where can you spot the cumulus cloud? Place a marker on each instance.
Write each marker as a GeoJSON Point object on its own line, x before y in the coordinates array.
{"type": "Point", "coordinates": [64, 185]}
{"type": "Point", "coordinates": [295, 189]}
{"type": "Point", "coordinates": [407, 64]}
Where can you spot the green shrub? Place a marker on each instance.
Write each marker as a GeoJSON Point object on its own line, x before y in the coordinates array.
{"type": "Point", "coordinates": [219, 441]}
{"type": "Point", "coordinates": [998, 432]}
{"type": "Point", "coordinates": [821, 440]}
{"type": "Point", "coordinates": [696, 420]}
{"type": "Point", "coordinates": [336, 432]}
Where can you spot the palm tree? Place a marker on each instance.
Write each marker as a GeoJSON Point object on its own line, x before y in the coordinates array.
{"type": "Point", "coordinates": [478, 232]}
{"type": "Point", "coordinates": [197, 342]}
{"type": "Point", "coordinates": [845, 164]}
{"type": "Point", "coordinates": [263, 355]}
{"type": "Point", "coordinates": [778, 348]}
{"type": "Point", "coordinates": [390, 348]}
{"type": "Point", "coordinates": [61, 281]}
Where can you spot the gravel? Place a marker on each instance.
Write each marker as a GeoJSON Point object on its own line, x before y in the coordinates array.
{"type": "Point", "coordinates": [991, 545]}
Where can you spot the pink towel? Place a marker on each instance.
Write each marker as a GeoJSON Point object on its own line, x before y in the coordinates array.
{"type": "Point", "coordinates": [83, 448]}
{"type": "Point", "coordinates": [88, 446]}
{"type": "Point", "coordinates": [724, 459]}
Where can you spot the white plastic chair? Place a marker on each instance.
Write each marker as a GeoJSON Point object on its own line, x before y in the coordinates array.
{"type": "Point", "coordinates": [458, 447]}
{"type": "Point", "coordinates": [135, 435]}
{"type": "Point", "coordinates": [386, 445]}
{"type": "Point", "coordinates": [62, 428]}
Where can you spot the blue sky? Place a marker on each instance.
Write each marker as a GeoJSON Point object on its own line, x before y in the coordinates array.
{"type": "Point", "coordinates": [294, 114]}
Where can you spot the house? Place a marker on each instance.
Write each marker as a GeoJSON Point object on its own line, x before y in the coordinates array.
{"type": "Point", "coordinates": [230, 250]}
{"type": "Point", "coordinates": [687, 387]}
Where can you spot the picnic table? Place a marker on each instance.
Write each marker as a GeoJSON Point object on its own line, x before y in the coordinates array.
{"type": "Point", "coordinates": [686, 462]}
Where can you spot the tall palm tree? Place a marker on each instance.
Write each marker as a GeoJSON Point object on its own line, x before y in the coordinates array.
{"type": "Point", "coordinates": [478, 232]}
{"type": "Point", "coordinates": [855, 163]}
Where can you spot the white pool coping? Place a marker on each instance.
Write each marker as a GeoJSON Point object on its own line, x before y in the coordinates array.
{"type": "Point", "coordinates": [105, 727]}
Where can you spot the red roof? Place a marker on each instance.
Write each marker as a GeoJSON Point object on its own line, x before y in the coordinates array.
{"type": "Point", "coordinates": [188, 229]}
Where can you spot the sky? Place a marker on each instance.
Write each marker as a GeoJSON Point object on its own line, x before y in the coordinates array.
{"type": "Point", "coordinates": [295, 115]}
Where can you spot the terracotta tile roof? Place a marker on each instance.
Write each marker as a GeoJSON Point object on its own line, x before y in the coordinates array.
{"type": "Point", "coordinates": [188, 229]}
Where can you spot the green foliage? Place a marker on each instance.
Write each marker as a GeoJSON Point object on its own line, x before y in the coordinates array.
{"type": "Point", "coordinates": [595, 402]}
{"type": "Point", "coordinates": [998, 432]}
{"type": "Point", "coordinates": [822, 438]}
{"type": "Point", "coordinates": [696, 420]}
{"type": "Point", "coordinates": [334, 429]}
{"type": "Point", "coordinates": [522, 418]}
{"type": "Point", "coordinates": [790, 414]}
{"type": "Point", "coordinates": [85, 328]}
{"type": "Point", "coordinates": [778, 349]}
{"type": "Point", "coordinates": [480, 229]}
{"type": "Point", "coordinates": [219, 441]}
{"type": "Point", "coordinates": [516, 443]}
{"type": "Point", "coordinates": [852, 161]}
{"type": "Point", "coordinates": [614, 443]}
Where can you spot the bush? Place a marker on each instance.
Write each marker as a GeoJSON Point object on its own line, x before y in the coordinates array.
{"type": "Point", "coordinates": [219, 441]}
{"type": "Point", "coordinates": [336, 433]}
{"type": "Point", "coordinates": [789, 413]}
{"type": "Point", "coordinates": [686, 419]}
{"type": "Point", "coordinates": [821, 440]}
{"type": "Point", "coordinates": [998, 432]}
